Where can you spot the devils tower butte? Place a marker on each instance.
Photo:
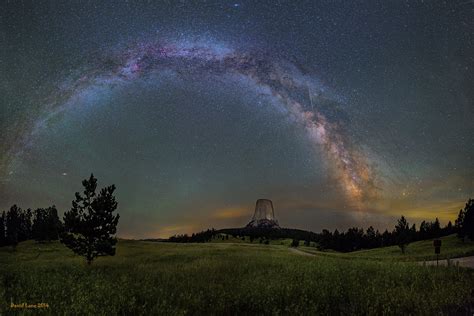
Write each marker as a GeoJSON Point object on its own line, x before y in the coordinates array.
{"type": "Point", "coordinates": [264, 215]}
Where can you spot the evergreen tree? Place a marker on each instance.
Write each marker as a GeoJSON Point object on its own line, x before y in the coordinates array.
{"type": "Point", "coordinates": [435, 229]}
{"type": "Point", "coordinates": [3, 240]}
{"type": "Point", "coordinates": [90, 224]}
{"type": "Point", "coordinates": [468, 222]}
{"type": "Point", "coordinates": [370, 239]}
{"type": "Point", "coordinates": [336, 244]}
{"type": "Point", "coordinates": [413, 232]}
{"type": "Point", "coordinates": [24, 232]}
{"type": "Point", "coordinates": [424, 230]}
{"type": "Point", "coordinates": [13, 225]}
{"type": "Point", "coordinates": [39, 225]}
{"type": "Point", "coordinates": [449, 228]}
{"type": "Point", "coordinates": [402, 233]}
{"type": "Point", "coordinates": [54, 225]}
{"type": "Point", "coordinates": [46, 224]}
{"type": "Point", "coordinates": [459, 225]}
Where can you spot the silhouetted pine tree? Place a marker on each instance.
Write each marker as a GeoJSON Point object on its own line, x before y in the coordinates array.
{"type": "Point", "coordinates": [3, 240]}
{"type": "Point", "coordinates": [448, 230]}
{"type": "Point", "coordinates": [435, 229]}
{"type": "Point", "coordinates": [39, 225]}
{"type": "Point", "coordinates": [13, 225]}
{"type": "Point", "coordinates": [90, 224]}
{"type": "Point", "coordinates": [458, 225]}
{"type": "Point", "coordinates": [54, 225]}
{"type": "Point", "coordinates": [413, 234]}
{"type": "Point", "coordinates": [24, 232]}
{"type": "Point", "coordinates": [46, 224]}
{"type": "Point", "coordinates": [468, 222]}
{"type": "Point", "coordinates": [402, 233]}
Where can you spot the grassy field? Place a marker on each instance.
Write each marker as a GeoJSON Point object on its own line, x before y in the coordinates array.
{"type": "Point", "coordinates": [224, 238]}
{"type": "Point", "coordinates": [147, 278]}
{"type": "Point", "coordinates": [452, 247]}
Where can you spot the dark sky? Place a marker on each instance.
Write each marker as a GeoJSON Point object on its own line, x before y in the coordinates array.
{"type": "Point", "coordinates": [342, 112]}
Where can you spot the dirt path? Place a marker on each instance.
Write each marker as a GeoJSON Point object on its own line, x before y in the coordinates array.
{"type": "Point", "coordinates": [466, 262]}
{"type": "Point", "coordinates": [300, 252]}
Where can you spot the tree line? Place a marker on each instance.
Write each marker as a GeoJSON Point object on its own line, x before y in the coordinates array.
{"type": "Point", "coordinates": [204, 236]}
{"type": "Point", "coordinates": [18, 225]}
{"type": "Point", "coordinates": [263, 233]}
{"type": "Point", "coordinates": [88, 228]}
{"type": "Point", "coordinates": [354, 238]}
{"type": "Point", "coordinates": [403, 234]}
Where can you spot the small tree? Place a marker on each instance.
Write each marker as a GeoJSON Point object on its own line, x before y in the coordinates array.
{"type": "Point", "coordinates": [402, 233]}
{"type": "Point", "coordinates": [295, 243]}
{"type": "Point", "coordinates": [13, 225]}
{"type": "Point", "coordinates": [90, 224]}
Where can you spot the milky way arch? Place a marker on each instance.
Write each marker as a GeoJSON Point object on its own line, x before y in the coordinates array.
{"type": "Point", "coordinates": [301, 95]}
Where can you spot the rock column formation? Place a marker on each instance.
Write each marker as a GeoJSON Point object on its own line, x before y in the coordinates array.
{"type": "Point", "coordinates": [264, 215]}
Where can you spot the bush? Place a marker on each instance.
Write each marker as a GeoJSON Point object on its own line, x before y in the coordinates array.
{"type": "Point", "coordinates": [295, 243]}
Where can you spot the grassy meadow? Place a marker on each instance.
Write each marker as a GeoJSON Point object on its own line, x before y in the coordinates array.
{"type": "Point", "coordinates": [451, 247]}
{"type": "Point", "coordinates": [152, 278]}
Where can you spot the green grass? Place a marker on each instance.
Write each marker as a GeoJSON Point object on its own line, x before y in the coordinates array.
{"type": "Point", "coordinates": [221, 238]}
{"type": "Point", "coordinates": [452, 247]}
{"type": "Point", "coordinates": [147, 278]}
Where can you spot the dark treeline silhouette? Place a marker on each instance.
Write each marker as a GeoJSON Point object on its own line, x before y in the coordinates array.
{"type": "Point", "coordinates": [204, 236]}
{"type": "Point", "coordinates": [357, 238]}
{"type": "Point", "coordinates": [270, 233]}
{"type": "Point", "coordinates": [253, 233]}
{"type": "Point", "coordinates": [262, 234]}
{"type": "Point", "coordinates": [354, 238]}
{"type": "Point", "coordinates": [18, 225]}
{"type": "Point", "coordinates": [88, 228]}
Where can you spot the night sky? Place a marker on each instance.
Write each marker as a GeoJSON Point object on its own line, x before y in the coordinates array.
{"type": "Point", "coordinates": [344, 113]}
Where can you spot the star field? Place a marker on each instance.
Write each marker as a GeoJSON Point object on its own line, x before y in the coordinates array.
{"type": "Point", "coordinates": [342, 114]}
